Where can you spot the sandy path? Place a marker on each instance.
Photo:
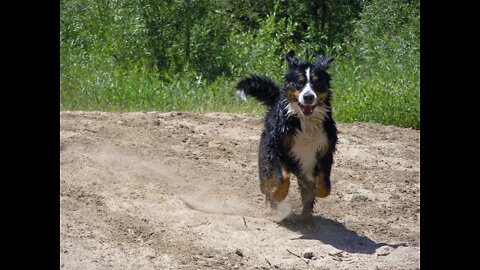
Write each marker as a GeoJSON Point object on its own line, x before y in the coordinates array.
{"type": "Point", "coordinates": [180, 191]}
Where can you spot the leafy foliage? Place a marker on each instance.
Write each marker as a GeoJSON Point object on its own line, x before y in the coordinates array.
{"type": "Point", "coordinates": [188, 55]}
{"type": "Point", "coordinates": [380, 69]}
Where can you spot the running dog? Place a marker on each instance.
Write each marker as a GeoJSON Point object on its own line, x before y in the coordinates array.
{"type": "Point", "coordinates": [299, 135]}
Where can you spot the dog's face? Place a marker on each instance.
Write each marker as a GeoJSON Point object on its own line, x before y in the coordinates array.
{"type": "Point", "coordinates": [307, 84]}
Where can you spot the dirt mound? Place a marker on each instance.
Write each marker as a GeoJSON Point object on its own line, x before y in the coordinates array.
{"type": "Point", "coordinates": [181, 191]}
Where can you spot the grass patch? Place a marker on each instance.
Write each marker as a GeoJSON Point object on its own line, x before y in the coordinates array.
{"type": "Point", "coordinates": [360, 94]}
{"type": "Point", "coordinates": [377, 95]}
{"type": "Point", "coordinates": [100, 85]}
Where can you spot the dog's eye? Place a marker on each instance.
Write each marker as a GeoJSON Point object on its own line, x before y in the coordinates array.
{"type": "Point", "coordinates": [290, 86]}
{"type": "Point", "coordinates": [301, 79]}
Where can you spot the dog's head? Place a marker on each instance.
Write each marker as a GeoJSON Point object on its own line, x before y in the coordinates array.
{"type": "Point", "coordinates": [307, 85]}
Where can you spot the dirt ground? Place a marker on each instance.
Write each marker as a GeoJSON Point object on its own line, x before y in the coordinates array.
{"type": "Point", "coordinates": [180, 191]}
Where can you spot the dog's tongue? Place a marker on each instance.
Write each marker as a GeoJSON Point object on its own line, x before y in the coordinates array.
{"type": "Point", "coordinates": [307, 110]}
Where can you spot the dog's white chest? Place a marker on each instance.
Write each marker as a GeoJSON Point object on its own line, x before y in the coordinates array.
{"type": "Point", "coordinates": [306, 144]}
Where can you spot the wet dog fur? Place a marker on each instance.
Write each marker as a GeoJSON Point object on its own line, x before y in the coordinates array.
{"type": "Point", "coordinates": [299, 135]}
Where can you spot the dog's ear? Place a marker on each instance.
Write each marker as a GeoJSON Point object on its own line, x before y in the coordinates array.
{"type": "Point", "coordinates": [291, 59]}
{"type": "Point", "coordinates": [324, 62]}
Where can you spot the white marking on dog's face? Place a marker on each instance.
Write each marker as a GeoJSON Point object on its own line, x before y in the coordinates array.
{"type": "Point", "coordinates": [307, 90]}
{"type": "Point", "coordinates": [307, 72]}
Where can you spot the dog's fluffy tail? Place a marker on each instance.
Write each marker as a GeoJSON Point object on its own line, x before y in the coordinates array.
{"type": "Point", "coordinates": [261, 88]}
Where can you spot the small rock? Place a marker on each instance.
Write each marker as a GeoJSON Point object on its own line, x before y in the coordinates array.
{"type": "Point", "coordinates": [383, 251]}
{"type": "Point", "coordinates": [239, 252]}
{"type": "Point", "coordinates": [309, 255]}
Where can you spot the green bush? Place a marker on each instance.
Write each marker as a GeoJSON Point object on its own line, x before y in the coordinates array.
{"type": "Point", "coordinates": [377, 79]}
{"type": "Point", "coordinates": [188, 55]}
{"type": "Point", "coordinates": [262, 51]}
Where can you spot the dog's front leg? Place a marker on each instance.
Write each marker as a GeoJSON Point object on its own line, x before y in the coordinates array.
{"type": "Point", "coordinates": [320, 186]}
{"type": "Point", "coordinates": [323, 186]}
{"type": "Point", "coordinates": [308, 194]}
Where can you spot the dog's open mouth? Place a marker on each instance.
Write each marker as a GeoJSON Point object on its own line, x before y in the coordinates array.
{"type": "Point", "coordinates": [307, 110]}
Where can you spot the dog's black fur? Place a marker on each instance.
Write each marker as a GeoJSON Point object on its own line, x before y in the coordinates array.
{"type": "Point", "coordinates": [299, 134]}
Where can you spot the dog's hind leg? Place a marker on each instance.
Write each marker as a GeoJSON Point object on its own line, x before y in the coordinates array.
{"type": "Point", "coordinates": [274, 177]}
{"type": "Point", "coordinates": [280, 189]}
{"type": "Point", "coordinates": [274, 188]}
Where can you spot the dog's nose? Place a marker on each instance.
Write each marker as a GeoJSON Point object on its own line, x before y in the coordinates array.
{"type": "Point", "coordinates": [308, 98]}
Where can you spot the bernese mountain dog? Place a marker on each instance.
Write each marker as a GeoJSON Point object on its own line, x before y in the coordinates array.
{"type": "Point", "coordinates": [299, 134]}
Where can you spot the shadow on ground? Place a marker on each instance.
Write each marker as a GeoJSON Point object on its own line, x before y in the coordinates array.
{"type": "Point", "coordinates": [333, 233]}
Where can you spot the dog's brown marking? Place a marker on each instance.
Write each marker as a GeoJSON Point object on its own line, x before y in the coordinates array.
{"type": "Point", "coordinates": [314, 78]}
{"type": "Point", "coordinates": [280, 191]}
{"type": "Point", "coordinates": [276, 190]}
{"type": "Point", "coordinates": [322, 96]}
{"type": "Point", "coordinates": [301, 78]}
{"type": "Point", "coordinates": [293, 95]}
{"type": "Point", "coordinates": [322, 190]}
